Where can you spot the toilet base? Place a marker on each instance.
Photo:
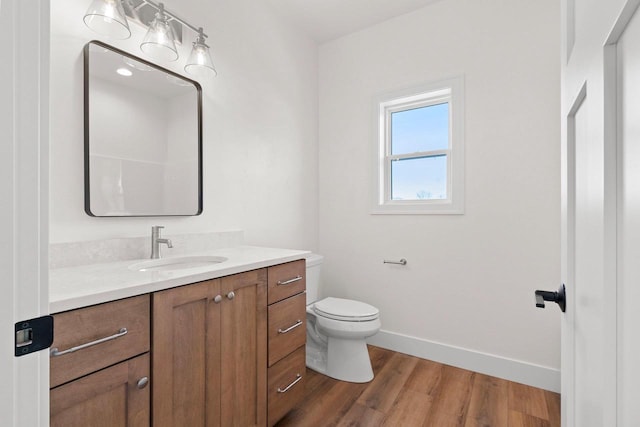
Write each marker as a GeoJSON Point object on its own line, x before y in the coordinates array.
{"type": "Point", "coordinates": [316, 356]}
{"type": "Point", "coordinates": [350, 359]}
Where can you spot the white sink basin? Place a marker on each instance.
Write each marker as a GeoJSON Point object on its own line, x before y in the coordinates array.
{"type": "Point", "coordinates": [177, 263]}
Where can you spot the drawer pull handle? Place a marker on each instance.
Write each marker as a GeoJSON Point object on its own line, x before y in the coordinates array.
{"type": "Point", "coordinates": [288, 282]}
{"type": "Point", "coordinates": [290, 328]}
{"type": "Point", "coordinates": [286, 389]}
{"type": "Point", "coordinates": [55, 353]}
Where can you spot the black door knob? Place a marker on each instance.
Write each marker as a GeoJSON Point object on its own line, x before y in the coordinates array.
{"type": "Point", "coordinates": [557, 297]}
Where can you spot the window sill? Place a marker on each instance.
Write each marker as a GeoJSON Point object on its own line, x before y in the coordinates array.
{"type": "Point", "coordinates": [418, 209]}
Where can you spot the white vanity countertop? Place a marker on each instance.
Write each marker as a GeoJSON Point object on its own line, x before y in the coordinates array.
{"type": "Point", "coordinates": [81, 286]}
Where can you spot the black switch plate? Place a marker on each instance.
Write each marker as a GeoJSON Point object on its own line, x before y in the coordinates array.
{"type": "Point", "coordinates": [33, 335]}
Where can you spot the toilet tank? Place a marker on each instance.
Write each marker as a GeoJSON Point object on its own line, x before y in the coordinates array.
{"type": "Point", "coordinates": [314, 265]}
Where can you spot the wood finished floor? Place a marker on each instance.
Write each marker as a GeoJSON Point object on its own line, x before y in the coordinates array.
{"type": "Point", "coordinates": [408, 391]}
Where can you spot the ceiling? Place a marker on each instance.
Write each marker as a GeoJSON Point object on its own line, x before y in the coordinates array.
{"type": "Point", "coordinates": [325, 20]}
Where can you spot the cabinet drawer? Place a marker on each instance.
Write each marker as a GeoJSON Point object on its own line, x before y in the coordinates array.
{"type": "Point", "coordinates": [101, 323]}
{"type": "Point", "coordinates": [287, 326]}
{"type": "Point", "coordinates": [286, 280]}
{"type": "Point", "coordinates": [286, 385]}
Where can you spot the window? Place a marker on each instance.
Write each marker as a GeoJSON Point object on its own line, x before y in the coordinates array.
{"type": "Point", "coordinates": [420, 155]}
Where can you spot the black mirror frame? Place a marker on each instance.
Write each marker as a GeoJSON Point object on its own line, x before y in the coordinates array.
{"type": "Point", "coordinates": [87, 189]}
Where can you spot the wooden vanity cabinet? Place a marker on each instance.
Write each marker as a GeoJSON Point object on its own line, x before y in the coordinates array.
{"type": "Point", "coordinates": [224, 352]}
{"type": "Point", "coordinates": [103, 384]}
{"type": "Point", "coordinates": [287, 333]}
{"type": "Point", "coordinates": [209, 353]}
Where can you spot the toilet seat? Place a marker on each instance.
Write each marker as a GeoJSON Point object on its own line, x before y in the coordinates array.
{"type": "Point", "coordinates": [345, 310]}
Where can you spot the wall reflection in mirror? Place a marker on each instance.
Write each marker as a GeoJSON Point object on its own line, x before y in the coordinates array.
{"type": "Point", "coordinates": [143, 137]}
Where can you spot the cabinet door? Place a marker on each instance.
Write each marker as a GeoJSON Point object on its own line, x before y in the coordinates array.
{"type": "Point", "coordinates": [186, 356]}
{"type": "Point", "coordinates": [107, 398]}
{"type": "Point", "coordinates": [244, 349]}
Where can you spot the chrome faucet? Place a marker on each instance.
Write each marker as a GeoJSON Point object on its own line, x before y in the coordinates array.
{"type": "Point", "coordinates": [156, 240]}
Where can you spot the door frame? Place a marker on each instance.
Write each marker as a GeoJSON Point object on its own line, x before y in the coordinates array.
{"type": "Point", "coordinates": [24, 219]}
{"type": "Point", "coordinates": [613, 199]}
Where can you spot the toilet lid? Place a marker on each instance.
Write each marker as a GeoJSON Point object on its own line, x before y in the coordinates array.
{"type": "Point", "coordinates": [345, 309]}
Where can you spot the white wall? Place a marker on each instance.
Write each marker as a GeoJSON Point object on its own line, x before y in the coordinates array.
{"type": "Point", "coordinates": [260, 127]}
{"type": "Point", "coordinates": [470, 278]}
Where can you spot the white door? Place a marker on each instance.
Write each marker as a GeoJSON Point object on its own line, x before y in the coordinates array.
{"type": "Point", "coordinates": [24, 87]}
{"type": "Point", "coordinates": [600, 228]}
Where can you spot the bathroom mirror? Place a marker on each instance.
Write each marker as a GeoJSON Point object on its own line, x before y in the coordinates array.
{"type": "Point", "coordinates": [143, 137]}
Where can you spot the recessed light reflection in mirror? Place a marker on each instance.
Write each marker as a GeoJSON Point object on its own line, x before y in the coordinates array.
{"type": "Point", "coordinates": [124, 72]}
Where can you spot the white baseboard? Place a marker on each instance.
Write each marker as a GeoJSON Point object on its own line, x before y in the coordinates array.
{"type": "Point", "coordinates": [488, 364]}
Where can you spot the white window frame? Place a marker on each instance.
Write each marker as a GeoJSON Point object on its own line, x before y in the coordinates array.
{"type": "Point", "coordinates": [434, 93]}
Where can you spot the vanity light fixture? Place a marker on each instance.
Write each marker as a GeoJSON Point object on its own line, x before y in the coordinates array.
{"type": "Point", "coordinates": [199, 62]}
{"type": "Point", "coordinates": [109, 17]}
{"type": "Point", "coordinates": [159, 42]}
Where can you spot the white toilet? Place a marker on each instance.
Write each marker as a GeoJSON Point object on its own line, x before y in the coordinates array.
{"type": "Point", "coordinates": [336, 331]}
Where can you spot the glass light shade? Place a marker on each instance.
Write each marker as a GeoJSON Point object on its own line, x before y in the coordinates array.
{"type": "Point", "coordinates": [107, 18]}
{"type": "Point", "coordinates": [159, 42]}
{"type": "Point", "coordinates": [199, 63]}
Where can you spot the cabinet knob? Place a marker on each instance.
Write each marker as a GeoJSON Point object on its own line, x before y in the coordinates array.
{"type": "Point", "coordinates": [142, 382]}
{"type": "Point", "coordinates": [231, 295]}
{"type": "Point", "coordinates": [217, 299]}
